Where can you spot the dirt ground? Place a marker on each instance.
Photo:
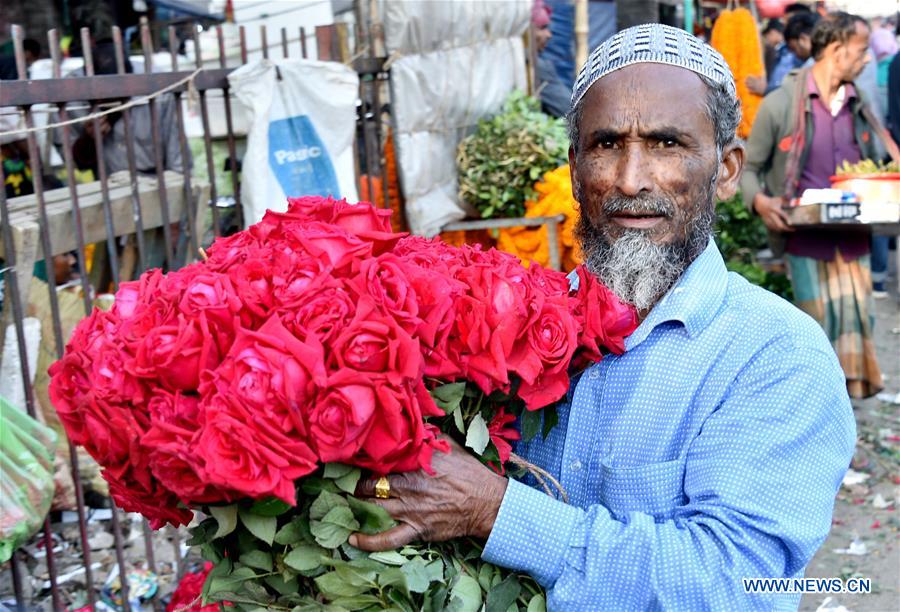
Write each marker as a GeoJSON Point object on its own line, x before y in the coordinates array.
{"type": "Point", "coordinates": [866, 516]}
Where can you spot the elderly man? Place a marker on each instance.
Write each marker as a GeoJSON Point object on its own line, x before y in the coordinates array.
{"type": "Point", "coordinates": [712, 449]}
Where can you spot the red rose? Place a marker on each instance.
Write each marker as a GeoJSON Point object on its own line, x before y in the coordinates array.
{"type": "Point", "coordinates": [246, 451]}
{"type": "Point", "coordinates": [253, 282]}
{"type": "Point", "coordinates": [322, 313]}
{"type": "Point", "coordinates": [213, 294]}
{"type": "Point", "coordinates": [373, 342]}
{"type": "Point", "coordinates": [543, 354]}
{"type": "Point", "coordinates": [174, 425]}
{"type": "Point", "coordinates": [399, 439]}
{"type": "Point", "coordinates": [269, 371]}
{"type": "Point", "coordinates": [329, 243]}
{"type": "Point", "coordinates": [174, 354]}
{"type": "Point", "coordinates": [226, 252]}
{"type": "Point", "coordinates": [501, 436]}
{"type": "Point", "coordinates": [186, 596]}
{"type": "Point", "coordinates": [362, 220]}
{"type": "Point", "coordinates": [606, 321]}
{"type": "Point", "coordinates": [296, 278]}
{"type": "Point", "coordinates": [386, 280]}
{"type": "Point", "coordinates": [341, 416]}
{"type": "Point", "coordinates": [133, 493]}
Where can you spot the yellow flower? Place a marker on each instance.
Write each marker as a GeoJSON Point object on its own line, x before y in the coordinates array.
{"type": "Point", "coordinates": [531, 243]}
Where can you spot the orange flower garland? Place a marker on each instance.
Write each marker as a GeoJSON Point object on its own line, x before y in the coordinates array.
{"type": "Point", "coordinates": [736, 37]}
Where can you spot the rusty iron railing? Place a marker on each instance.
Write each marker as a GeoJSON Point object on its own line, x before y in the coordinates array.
{"type": "Point", "coordinates": [34, 227]}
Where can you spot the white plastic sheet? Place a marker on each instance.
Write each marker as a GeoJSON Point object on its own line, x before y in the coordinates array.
{"type": "Point", "coordinates": [457, 62]}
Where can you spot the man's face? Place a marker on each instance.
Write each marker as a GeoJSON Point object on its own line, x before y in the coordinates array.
{"type": "Point", "coordinates": [542, 37]}
{"type": "Point", "coordinates": [851, 57]}
{"type": "Point", "coordinates": [801, 46]}
{"type": "Point", "coordinates": [774, 38]}
{"type": "Point", "coordinates": [645, 173]}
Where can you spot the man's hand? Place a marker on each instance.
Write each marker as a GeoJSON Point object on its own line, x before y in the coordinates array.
{"type": "Point", "coordinates": [104, 124]}
{"type": "Point", "coordinates": [770, 210]}
{"type": "Point", "coordinates": [461, 499]}
{"type": "Point", "coordinates": [756, 85]}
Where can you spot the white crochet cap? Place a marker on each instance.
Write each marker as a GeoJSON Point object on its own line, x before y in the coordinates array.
{"type": "Point", "coordinates": [653, 43]}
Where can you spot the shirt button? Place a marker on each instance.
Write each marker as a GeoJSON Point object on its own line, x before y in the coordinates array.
{"type": "Point", "coordinates": [575, 466]}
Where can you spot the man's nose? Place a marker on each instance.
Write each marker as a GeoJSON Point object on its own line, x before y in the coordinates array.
{"type": "Point", "coordinates": [632, 177]}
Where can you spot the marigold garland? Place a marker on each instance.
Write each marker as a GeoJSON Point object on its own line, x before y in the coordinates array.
{"type": "Point", "coordinates": [531, 243]}
{"type": "Point", "coordinates": [736, 37]}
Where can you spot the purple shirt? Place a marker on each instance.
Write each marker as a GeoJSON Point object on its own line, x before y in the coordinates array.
{"type": "Point", "coordinates": [833, 142]}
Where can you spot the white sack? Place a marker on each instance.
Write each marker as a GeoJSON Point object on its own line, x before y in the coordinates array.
{"type": "Point", "coordinates": [301, 132]}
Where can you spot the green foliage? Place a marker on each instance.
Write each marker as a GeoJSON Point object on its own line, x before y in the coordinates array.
{"type": "Point", "coordinates": [740, 235]}
{"type": "Point", "coordinates": [299, 559]}
{"type": "Point", "coordinates": [500, 163]}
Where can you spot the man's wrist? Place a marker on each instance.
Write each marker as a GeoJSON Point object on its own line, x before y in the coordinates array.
{"type": "Point", "coordinates": [493, 498]}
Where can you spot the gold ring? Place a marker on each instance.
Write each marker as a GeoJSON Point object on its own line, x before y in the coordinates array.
{"type": "Point", "coordinates": [382, 488]}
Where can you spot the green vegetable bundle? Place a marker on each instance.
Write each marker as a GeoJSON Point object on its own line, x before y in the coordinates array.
{"type": "Point", "coordinates": [500, 163]}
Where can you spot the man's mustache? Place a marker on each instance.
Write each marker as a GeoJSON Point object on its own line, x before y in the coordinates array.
{"type": "Point", "coordinates": [640, 205]}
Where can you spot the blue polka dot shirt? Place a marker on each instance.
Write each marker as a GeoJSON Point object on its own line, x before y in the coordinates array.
{"type": "Point", "coordinates": [710, 451]}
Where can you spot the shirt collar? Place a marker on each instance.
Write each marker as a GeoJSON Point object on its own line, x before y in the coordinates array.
{"type": "Point", "coordinates": [693, 301]}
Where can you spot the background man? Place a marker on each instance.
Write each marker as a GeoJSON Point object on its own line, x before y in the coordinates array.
{"type": "Point", "coordinates": [711, 450]}
{"type": "Point", "coordinates": [803, 131]}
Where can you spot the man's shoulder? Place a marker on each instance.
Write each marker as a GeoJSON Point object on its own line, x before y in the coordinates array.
{"type": "Point", "coordinates": [769, 321]}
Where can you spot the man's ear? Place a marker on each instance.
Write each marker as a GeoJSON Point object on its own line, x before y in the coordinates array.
{"type": "Point", "coordinates": [573, 175]}
{"type": "Point", "coordinates": [730, 169]}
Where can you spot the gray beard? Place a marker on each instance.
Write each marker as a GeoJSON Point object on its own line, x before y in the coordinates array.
{"type": "Point", "coordinates": [638, 270]}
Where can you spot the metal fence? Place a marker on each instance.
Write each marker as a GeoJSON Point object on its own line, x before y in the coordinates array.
{"type": "Point", "coordinates": [121, 215]}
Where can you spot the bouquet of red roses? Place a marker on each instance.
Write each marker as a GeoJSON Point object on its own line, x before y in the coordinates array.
{"type": "Point", "coordinates": [257, 384]}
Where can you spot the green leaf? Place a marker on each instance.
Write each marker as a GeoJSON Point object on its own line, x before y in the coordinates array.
{"type": "Point", "coordinates": [372, 518]}
{"type": "Point", "coordinates": [333, 585]}
{"type": "Point", "coordinates": [220, 569]}
{"type": "Point", "coordinates": [500, 597]}
{"type": "Point", "coordinates": [324, 503]}
{"type": "Point", "coordinates": [395, 577]}
{"type": "Point", "coordinates": [388, 557]}
{"type": "Point", "coordinates": [531, 424]}
{"type": "Point", "coordinates": [313, 485]}
{"type": "Point", "coordinates": [342, 516]}
{"type": "Point", "coordinates": [231, 582]}
{"type": "Point", "coordinates": [458, 421]}
{"type": "Point", "coordinates": [537, 604]}
{"type": "Point", "coordinates": [304, 557]}
{"type": "Point", "coordinates": [259, 559]}
{"type": "Point", "coordinates": [435, 571]}
{"type": "Point", "coordinates": [271, 506]}
{"type": "Point", "coordinates": [449, 396]}
{"type": "Point", "coordinates": [213, 551]}
{"type": "Point", "coordinates": [477, 436]}
{"type": "Point", "coordinates": [336, 470]}
{"type": "Point", "coordinates": [347, 483]}
{"type": "Point", "coordinates": [282, 586]}
{"type": "Point", "coordinates": [263, 527]}
{"type": "Point", "coordinates": [226, 519]}
{"type": "Point", "coordinates": [551, 418]}
{"type": "Point", "coordinates": [202, 533]}
{"type": "Point", "coordinates": [293, 532]}
{"type": "Point", "coordinates": [357, 602]}
{"type": "Point", "coordinates": [467, 592]}
{"type": "Point", "coordinates": [418, 577]}
{"type": "Point", "coordinates": [485, 573]}
{"type": "Point", "coordinates": [335, 527]}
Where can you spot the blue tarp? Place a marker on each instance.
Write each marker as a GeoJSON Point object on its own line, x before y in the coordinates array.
{"type": "Point", "coordinates": [561, 48]}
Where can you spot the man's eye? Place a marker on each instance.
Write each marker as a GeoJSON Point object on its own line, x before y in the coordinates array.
{"type": "Point", "coordinates": [665, 143]}
{"type": "Point", "coordinates": [608, 144]}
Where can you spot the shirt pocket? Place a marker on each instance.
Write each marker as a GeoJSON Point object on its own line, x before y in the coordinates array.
{"type": "Point", "coordinates": [653, 488]}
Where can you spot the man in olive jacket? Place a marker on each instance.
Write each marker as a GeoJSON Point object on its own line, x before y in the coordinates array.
{"type": "Point", "coordinates": [803, 131]}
